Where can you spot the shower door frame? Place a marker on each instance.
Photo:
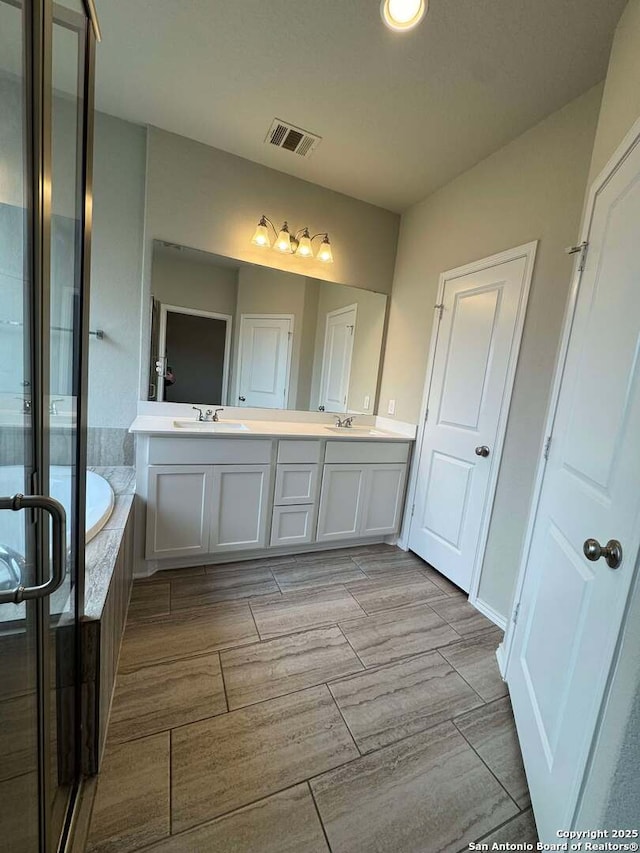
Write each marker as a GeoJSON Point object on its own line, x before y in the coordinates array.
{"type": "Point", "coordinates": [39, 16]}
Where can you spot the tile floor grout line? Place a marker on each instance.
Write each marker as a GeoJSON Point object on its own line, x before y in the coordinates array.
{"type": "Point", "coordinates": [503, 825]}
{"type": "Point", "coordinates": [468, 683]}
{"type": "Point", "coordinates": [350, 646]}
{"type": "Point", "coordinates": [483, 761]}
{"type": "Point", "coordinates": [224, 683]}
{"type": "Point", "coordinates": [322, 826]}
{"type": "Point", "coordinates": [348, 727]}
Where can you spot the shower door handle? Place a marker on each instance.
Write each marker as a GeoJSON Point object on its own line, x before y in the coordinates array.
{"type": "Point", "coordinates": [59, 542]}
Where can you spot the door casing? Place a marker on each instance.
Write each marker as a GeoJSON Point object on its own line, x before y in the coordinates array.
{"type": "Point", "coordinates": [528, 251]}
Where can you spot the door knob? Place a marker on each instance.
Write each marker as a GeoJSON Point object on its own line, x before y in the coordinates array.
{"type": "Point", "coordinates": [612, 552]}
{"type": "Point", "coordinates": [242, 399]}
{"type": "Point", "coordinates": [483, 450]}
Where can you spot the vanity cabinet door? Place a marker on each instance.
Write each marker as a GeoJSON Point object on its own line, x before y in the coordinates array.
{"type": "Point", "coordinates": [341, 502]}
{"type": "Point", "coordinates": [239, 507]}
{"type": "Point", "coordinates": [295, 484]}
{"type": "Point", "coordinates": [292, 525]}
{"type": "Point", "coordinates": [383, 499]}
{"type": "Point", "coordinates": [178, 510]}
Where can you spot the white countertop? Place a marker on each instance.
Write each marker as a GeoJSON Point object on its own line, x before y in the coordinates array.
{"type": "Point", "coordinates": [166, 426]}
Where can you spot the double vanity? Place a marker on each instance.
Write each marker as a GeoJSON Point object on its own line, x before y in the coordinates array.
{"type": "Point", "coordinates": [215, 492]}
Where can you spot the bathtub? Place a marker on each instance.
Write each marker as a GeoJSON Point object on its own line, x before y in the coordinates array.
{"type": "Point", "coordinates": [100, 501]}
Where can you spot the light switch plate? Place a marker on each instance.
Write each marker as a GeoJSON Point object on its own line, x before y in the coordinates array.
{"type": "Point", "coordinates": [391, 409]}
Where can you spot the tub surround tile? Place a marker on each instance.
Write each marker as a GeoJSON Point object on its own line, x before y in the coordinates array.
{"type": "Point", "coordinates": [283, 823]}
{"type": "Point", "coordinates": [297, 611]}
{"type": "Point", "coordinates": [120, 513]}
{"type": "Point", "coordinates": [121, 478]}
{"type": "Point", "coordinates": [475, 660]}
{"type": "Point", "coordinates": [186, 634]}
{"type": "Point", "coordinates": [461, 615]}
{"type": "Point", "coordinates": [131, 808]}
{"type": "Point", "coordinates": [149, 600]}
{"type": "Point", "coordinates": [101, 554]}
{"type": "Point", "coordinates": [387, 592]}
{"type": "Point", "coordinates": [258, 750]}
{"type": "Point", "coordinates": [394, 634]}
{"type": "Point", "coordinates": [225, 584]}
{"type": "Point", "coordinates": [491, 732]}
{"type": "Point", "coordinates": [110, 446]}
{"type": "Point", "coordinates": [389, 703]}
{"type": "Point", "coordinates": [328, 572]}
{"type": "Point", "coordinates": [284, 665]}
{"type": "Point", "coordinates": [430, 787]}
{"type": "Point", "coordinates": [166, 695]}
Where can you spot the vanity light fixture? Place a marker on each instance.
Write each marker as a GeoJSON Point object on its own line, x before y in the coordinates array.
{"type": "Point", "coordinates": [403, 15]}
{"type": "Point", "coordinates": [300, 243]}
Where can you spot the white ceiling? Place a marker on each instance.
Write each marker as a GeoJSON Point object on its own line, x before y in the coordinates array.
{"type": "Point", "coordinates": [400, 114]}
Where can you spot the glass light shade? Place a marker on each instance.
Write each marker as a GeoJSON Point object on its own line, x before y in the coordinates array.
{"type": "Point", "coordinates": [305, 249]}
{"type": "Point", "coordinates": [403, 14]}
{"type": "Point", "coordinates": [261, 236]}
{"type": "Point", "coordinates": [283, 241]}
{"type": "Point", "coordinates": [324, 252]}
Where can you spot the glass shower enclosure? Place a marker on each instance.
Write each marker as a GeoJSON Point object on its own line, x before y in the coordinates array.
{"type": "Point", "coordinates": [46, 118]}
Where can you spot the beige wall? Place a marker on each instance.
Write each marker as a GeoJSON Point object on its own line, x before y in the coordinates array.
{"type": "Point", "coordinates": [184, 281]}
{"type": "Point", "coordinates": [367, 345]}
{"type": "Point", "coordinates": [621, 98]}
{"type": "Point", "coordinates": [531, 189]}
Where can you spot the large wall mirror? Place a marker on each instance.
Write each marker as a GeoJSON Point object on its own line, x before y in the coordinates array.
{"type": "Point", "coordinates": [228, 333]}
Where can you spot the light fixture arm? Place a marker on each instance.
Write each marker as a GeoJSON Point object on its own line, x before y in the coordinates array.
{"type": "Point", "coordinates": [321, 234]}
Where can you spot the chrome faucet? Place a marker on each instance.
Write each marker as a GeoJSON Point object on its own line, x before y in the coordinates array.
{"type": "Point", "coordinates": [26, 405]}
{"type": "Point", "coordinates": [208, 416]}
{"type": "Point", "coordinates": [215, 415]}
{"type": "Point", "coordinates": [346, 423]}
{"type": "Point", "coordinates": [53, 406]}
{"type": "Point", "coordinates": [199, 416]}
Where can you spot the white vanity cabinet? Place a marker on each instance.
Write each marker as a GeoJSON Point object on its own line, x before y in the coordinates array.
{"type": "Point", "coordinates": [195, 509]}
{"type": "Point", "coordinates": [208, 497]}
{"type": "Point", "coordinates": [362, 490]}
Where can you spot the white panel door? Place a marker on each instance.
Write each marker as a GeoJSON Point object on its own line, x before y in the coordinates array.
{"type": "Point", "coordinates": [336, 359]}
{"type": "Point", "coordinates": [471, 380]}
{"type": "Point", "coordinates": [178, 510]}
{"type": "Point", "coordinates": [571, 608]}
{"type": "Point", "coordinates": [341, 502]}
{"type": "Point", "coordinates": [264, 361]}
{"type": "Point", "coordinates": [384, 490]}
{"type": "Point", "coordinates": [239, 506]}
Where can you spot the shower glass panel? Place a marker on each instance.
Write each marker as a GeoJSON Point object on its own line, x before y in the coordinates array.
{"type": "Point", "coordinates": [46, 74]}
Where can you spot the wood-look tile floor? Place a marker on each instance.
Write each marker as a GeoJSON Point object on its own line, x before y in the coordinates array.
{"type": "Point", "coordinates": [347, 701]}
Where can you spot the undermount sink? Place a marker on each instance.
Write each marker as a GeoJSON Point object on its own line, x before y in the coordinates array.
{"type": "Point", "coordinates": [211, 426]}
{"type": "Point", "coordinates": [355, 430]}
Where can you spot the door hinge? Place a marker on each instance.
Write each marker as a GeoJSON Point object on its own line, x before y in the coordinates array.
{"type": "Point", "coordinates": [413, 509]}
{"type": "Point", "coordinates": [582, 248]}
{"type": "Point", "coordinates": [440, 307]}
{"type": "Point", "coordinates": [426, 415]}
{"type": "Point", "coordinates": [516, 611]}
{"type": "Point", "coordinates": [547, 447]}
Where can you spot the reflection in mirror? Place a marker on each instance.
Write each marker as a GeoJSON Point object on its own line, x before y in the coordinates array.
{"type": "Point", "coordinates": [228, 333]}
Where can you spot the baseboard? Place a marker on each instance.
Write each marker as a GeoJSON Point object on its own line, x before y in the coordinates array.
{"type": "Point", "coordinates": [488, 611]}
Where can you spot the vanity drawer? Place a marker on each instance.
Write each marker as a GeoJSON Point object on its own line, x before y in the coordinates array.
{"type": "Point", "coordinates": [292, 525]}
{"type": "Point", "coordinates": [298, 451]}
{"type": "Point", "coordinates": [209, 451]}
{"type": "Point", "coordinates": [296, 484]}
{"type": "Point", "coordinates": [355, 451]}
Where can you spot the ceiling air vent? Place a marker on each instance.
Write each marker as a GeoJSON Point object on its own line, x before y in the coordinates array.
{"type": "Point", "coordinates": [287, 136]}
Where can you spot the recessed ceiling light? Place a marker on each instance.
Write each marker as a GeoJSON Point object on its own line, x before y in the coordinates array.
{"type": "Point", "coordinates": [403, 14]}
